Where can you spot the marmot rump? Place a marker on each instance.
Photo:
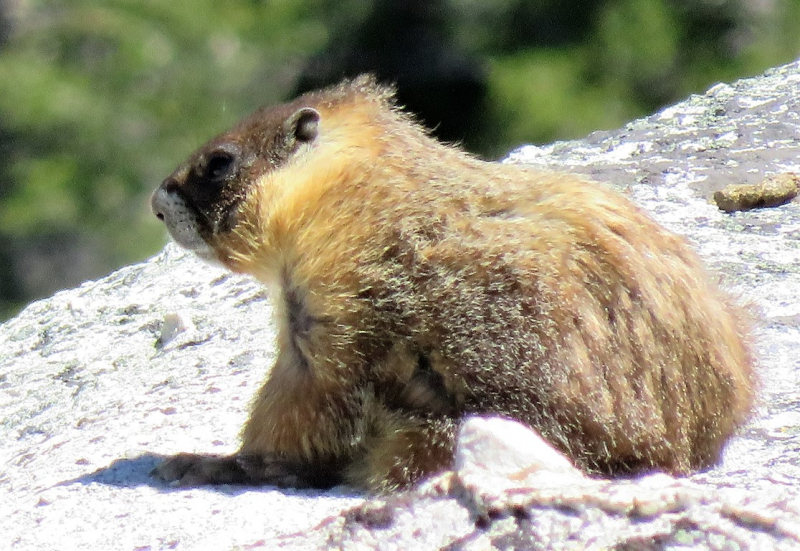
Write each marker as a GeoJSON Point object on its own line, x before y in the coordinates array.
{"type": "Point", "coordinates": [414, 284]}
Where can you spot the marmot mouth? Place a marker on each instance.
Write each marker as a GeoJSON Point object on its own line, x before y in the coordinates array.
{"type": "Point", "coordinates": [181, 222]}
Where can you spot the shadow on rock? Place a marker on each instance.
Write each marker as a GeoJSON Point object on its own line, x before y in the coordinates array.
{"type": "Point", "coordinates": [126, 473]}
{"type": "Point", "coordinates": [136, 471]}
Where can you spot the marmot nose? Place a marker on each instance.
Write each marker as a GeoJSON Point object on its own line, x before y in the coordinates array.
{"type": "Point", "coordinates": [162, 200]}
{"type": "Point", "coordinates": [157, 202]}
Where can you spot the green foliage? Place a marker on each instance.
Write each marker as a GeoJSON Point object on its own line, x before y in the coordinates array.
{"type": "Point", "coordinates": [100, 100]}
{"type": "Point", "coordinates": [636, 43]}
{"type": "Point", "coordinates": [537, 97]}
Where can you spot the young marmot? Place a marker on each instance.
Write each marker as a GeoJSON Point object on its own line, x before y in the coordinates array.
{"type": "Point", "coordinates": [415, 284]}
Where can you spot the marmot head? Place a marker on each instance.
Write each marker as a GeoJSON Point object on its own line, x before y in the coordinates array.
{"type": "Point", "coordinates": [204, 201]}
{"type": "Point", "coordinates": [200, 201]}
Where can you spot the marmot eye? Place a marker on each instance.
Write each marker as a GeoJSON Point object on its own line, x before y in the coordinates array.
{"type": "Point", "coordinates": [219, 166]}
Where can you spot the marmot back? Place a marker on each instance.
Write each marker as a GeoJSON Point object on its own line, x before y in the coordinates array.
{"type": "Point", "coordinates": [415, 284]}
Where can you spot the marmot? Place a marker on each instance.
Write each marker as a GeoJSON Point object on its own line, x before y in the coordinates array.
{"type": "Point", "coordinates": [414, 284]}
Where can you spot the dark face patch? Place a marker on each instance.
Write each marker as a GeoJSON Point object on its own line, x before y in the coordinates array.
{"type": "Point", "coordinates": [216, 179]}
{"type": "Point", "coordinates": [209, 186]}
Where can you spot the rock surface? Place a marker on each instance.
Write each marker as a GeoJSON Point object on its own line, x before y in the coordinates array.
{"type": "Point", "coordinates": [97, 382]}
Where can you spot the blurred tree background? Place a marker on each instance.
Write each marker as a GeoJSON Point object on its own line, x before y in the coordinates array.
{"type": "Point", "coordinates": [99, 100]}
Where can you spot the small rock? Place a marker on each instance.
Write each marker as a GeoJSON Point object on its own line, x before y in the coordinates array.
{"type": "Point", "coordinates": [498, 453]}
{"type": "Point", "coordinates": [771, 192]}
{"type": "Point", "coordinates": [173, 325]}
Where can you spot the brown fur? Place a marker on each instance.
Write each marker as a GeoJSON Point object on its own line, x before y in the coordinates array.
{"type": "Point", "coordinates": [415, 284]}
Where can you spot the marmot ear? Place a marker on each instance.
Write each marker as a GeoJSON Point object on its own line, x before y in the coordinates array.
{"type": "Point", "coordinates": [303, 125]}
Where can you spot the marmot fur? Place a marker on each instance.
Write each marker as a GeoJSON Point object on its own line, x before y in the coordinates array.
{"type": "Point", "coordinates": [415, 284]}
